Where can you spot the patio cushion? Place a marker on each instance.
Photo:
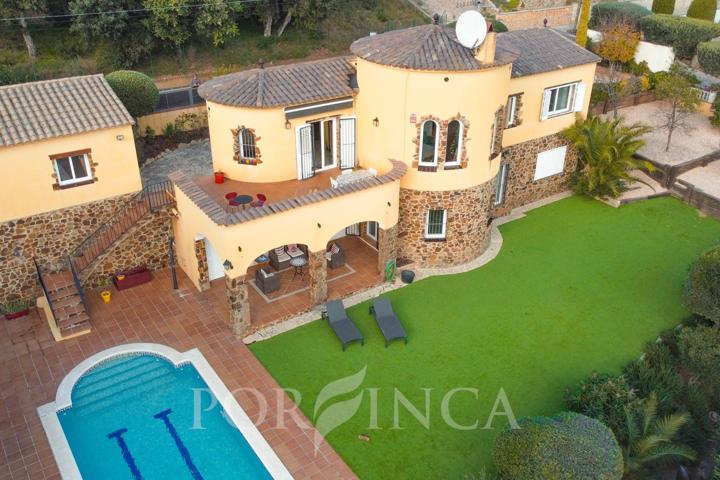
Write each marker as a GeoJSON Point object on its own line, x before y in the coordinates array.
{"type": "Point", "coordinates": [294, 251]}
{"type": "Point", "coordinates": [281, 254]}
{"type": "Point", "coordinates": [334, 248]}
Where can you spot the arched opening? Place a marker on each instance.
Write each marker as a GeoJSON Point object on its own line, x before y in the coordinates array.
{"type": "Point", "coordinates": [429, 140]}
{"type": "Point", "coordinates": [279, 283]}
{"type": "Point", "coordinates": [453, 151]}
{"type": "Point", "coordinates": [351, 257]}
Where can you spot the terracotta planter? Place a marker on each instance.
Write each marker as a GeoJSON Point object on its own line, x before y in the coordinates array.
{"type": "Point", "coordinates": [18, 314]}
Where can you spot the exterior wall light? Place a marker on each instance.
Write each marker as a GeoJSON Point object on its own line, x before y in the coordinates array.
{"type": "Point", "coordinates": [376, 121]}
{"type": "Point", "coordinates": [287, 125]}
{"type": "Point", "coordinates": [228, 265]}
{"type": "Point", "coordinates": [319, 226]}
{"type": "Point", "coordinates": [389, 204]}
{"type": "Point", "coordinates": [239, 249]}
{"type": "Point", "coordinates": [120, 137]}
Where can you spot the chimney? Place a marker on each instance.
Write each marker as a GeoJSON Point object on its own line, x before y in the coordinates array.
{"type": "Point", "coordinates": [485, 53]}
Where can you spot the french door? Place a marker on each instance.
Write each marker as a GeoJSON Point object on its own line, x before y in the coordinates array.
{"type": "Point", "coordinates": [317, 145]}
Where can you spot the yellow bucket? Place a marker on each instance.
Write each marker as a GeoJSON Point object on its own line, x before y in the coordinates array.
{"type": "Point", "coordinates": [105, 294]}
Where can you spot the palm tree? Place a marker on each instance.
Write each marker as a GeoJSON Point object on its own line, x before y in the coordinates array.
{"type": "Point", "coordinates": [607, 149]}
{"type": "Point", "coordinates": [650, 439]}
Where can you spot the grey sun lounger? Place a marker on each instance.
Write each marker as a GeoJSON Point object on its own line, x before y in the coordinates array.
{"type": "Point", "coordinates": [343, 327]}
{"type": "Point", "coordinates": [388, 322]}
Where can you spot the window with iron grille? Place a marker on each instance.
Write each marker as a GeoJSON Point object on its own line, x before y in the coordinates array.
{"type": "Point", "coordinates": [435, 224]}
{"type": "Point", "coordinates": [246, 140]}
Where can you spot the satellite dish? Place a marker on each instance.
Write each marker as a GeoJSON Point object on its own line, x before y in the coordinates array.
{"type": "Point", "coordinates": [471, 29]}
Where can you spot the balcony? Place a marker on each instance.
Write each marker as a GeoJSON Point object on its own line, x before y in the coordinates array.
{"type": "Point", "coordinates": [281, 196]}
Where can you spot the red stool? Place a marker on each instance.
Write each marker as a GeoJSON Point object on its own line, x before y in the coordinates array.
{"type": "Point", "coordinates": [230, 196]}
{"type": "Point", "coordinates": [261, 199]}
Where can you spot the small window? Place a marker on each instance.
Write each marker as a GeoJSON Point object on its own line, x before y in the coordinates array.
{"type": "Point", "coordinates": [372, 230]}
{"type": "Point", "coordinates": [435, 224]}
{"type": "Point", "coordinates": [453, 151]}
{"type": "Point", "coordinates": [72, 169]}
{"type": "Point", "coordinates": [246, 140]}
{"type": "Point", "coordinates": [429, 139]}
{"type": "Point", "coordinates": [501, 184]}
{"type": "Point", "coordinates": [511, 111]}
{"type": "Point", "coordinates": [558, 100]}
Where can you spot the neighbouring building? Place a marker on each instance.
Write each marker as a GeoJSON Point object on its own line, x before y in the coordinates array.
{"type": "Point", "coordinates": [334, 169]}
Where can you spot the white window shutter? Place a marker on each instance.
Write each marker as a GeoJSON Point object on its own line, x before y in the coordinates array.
{"type": "Point", "coordinates": [579, 97]}
{"type": "Point", "coordinates": [444, 223]}
{"type": "Point", "coordinates": [347, 143]}
{"type": "Point", "coordinates": [545, 105]}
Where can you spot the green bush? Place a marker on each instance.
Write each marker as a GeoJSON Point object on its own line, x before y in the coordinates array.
{"type": "Point", "coordinates": [702, 287]}
{"type": "Point", "coordinates": [703, 9]}
{"type": "Point", "coordinates": [568, 446]}
{"type": "Point", "coordinates": [682, 33]}
{"type": "Point", "coordinates": [700, 353]}
{"type": "Point", "coordinates": [663, 6]}
{"type": "Point", "coordinates": [709, 57]}
{"type": "Point", "coordinates": [715, 119]}
{"type": "Point", "coordinates": [498, 26]}
{"type": "Point", "coordinates": [604, 398]}
{"type": "Point", "coordinates": [656, 372]}
{"type": "Point", "coordinates": [136, 91]}
{"type": "Point", "coordinates": [616, 12]}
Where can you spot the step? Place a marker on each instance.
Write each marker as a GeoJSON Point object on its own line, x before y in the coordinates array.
{"type": "Point", "coordinates": [70, 322]}
{"type": "Point", "coordinates": [58, 281]}
{"type": "Point", "coordinates": [68, 310]}
{"type": "Point", "coordinates": [72, 330]}
{"type": "Point", "coordinates": [125, 396]}
{"type": "Point", "coordinates": [100, 375]}
{"type": "Point", "coordinates": [66, 301]}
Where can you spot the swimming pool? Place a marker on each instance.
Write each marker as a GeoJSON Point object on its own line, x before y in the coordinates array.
{"type": "Point", "coordinates": [131, 413]}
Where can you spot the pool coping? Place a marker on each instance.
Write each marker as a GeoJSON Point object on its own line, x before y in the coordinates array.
{"type": "Point", "coordinates": [59, 443]}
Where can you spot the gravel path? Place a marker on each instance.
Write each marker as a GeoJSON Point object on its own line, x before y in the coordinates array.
{"type": "Point", "coordinates": [193, 159]}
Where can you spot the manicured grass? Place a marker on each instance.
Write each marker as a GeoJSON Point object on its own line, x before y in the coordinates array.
{"type": "Point", "coordinates": [577, 287]}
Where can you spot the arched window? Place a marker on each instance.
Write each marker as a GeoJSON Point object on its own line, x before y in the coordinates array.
{"type": "Point", "coordinates": [453, 152]}
{"type": "Point", "coordinates": [246, 140]}
{"type": "Point", "coordinates": [429, 139]}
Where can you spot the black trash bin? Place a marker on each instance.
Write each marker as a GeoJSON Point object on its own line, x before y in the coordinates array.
{"type": "Point", "coordinates": [407, 276]}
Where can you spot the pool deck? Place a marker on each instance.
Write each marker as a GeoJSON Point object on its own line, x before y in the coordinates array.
{"type": "Point", "coordinates": [33, 365]}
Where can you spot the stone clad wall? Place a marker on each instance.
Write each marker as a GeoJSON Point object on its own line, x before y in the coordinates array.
{"type": "Point", "coordinates": [557, 16]}
{"type": "Point", "coordinates": [467, 229]}
{"type": "Point", "coordinates": [521, 188]}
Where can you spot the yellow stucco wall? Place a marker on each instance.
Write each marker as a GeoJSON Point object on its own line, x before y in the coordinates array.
{"type": "Point", "coordinates": [299, 225]}
{"type": "Point", "coordinates": [158, 121]}
{"type": "Point", "coordinates": [394, 94]}
{"type": "Point", "coordinates": [276, 143]}
{"type": "Point", "coordinates": [28, 172]}
{"type": "Point", "coordinates": [532, 87]}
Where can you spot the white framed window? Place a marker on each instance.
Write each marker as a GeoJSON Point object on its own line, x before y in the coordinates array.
{"type": "Point", "coordinates": [372, 230]}
{"type": "Point", "coordinates": [72, 169]}
{"type": "Point", "coordinates": [558, 100]}
{"type": "Point", "coordinates": [550, 162]}
{"type": "Point", "coordinates": [429, 141]}
{"type": "Point", "coordinates": [511, 110]}
{"type": "Point", "coordinates": [501, 184]}
{"type": "Point", "coordinates": [435, 224]}
{"type": "Point", "coordinates": [246, 140]}
{"type": "Point", "coordinates": [453, 151]}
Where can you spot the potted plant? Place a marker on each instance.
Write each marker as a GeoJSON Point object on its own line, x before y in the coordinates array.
{"type": "Point", "coordinates": [219, 177]}
{"type": "Point", "coordinates": [16, 308]}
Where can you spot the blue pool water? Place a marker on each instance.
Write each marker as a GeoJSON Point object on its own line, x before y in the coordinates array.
{"type": "Point", "coordinates": [132, 418]}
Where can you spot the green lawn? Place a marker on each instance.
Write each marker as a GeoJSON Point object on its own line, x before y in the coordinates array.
{"type": "Point", "coordinates": [577, 287]}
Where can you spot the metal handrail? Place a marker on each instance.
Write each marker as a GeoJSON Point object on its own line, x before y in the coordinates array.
{"type": "Point", "coordinates": [149, 199]}
{"type": "Point", "coordinates": [78, 285]}
{"type": "Point", "coordinates": [44, 288]}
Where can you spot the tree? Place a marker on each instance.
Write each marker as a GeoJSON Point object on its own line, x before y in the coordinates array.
{"type": "Point", "coordinates": [606, 149]}
{"type": "Point", "coordinates": [582, 29]}
{"type": "Point", "coordinates": [617, 46]}
{"type": "Point", "coordinates": [23, 9]}
{"type": "Point", "coordinates": [651, 439]}
{"type": "Point", "coordinates": [568, 446]}
{"type": "Point", "coordinates": [217, 20]}
{"type": "Point", "coordinates": [135, 90]}
{"type": "Point", "coordinates": [700, 352]}
{"type": "Point", "coordinates": [170, 22]}
{"type": "Point", "coordinates": [702, 287]}
{"type": "Point", "coordinates": [703, 9]}
{"type": "Point", "coordinates": [681, 100]}
{"type": "Point", "coordinates": [663, 6]}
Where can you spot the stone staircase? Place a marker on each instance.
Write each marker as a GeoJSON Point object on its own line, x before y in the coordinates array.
{"type": "Point", "coordinates": [67, 303]}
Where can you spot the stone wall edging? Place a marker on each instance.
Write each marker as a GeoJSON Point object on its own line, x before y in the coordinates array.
{"type": "Point", "coordinates": [492, 251]}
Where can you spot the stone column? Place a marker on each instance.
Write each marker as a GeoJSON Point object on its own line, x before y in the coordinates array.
{"type": "Point", "coordinates": [317, 269]}
{"type": "Point", "coordinates": [201, 255]}
{"type": "Point", "coordinates": [387, 246]}
{"type": "Point", "coordinates": [237, 296]}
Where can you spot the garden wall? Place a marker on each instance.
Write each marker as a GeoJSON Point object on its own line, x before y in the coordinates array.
{"type": "Point", "coordinates": [157, 121]}
{"type": "Point", "coordinates": [704, 202]}
{"type": "Point", "coordinates": [522, 19]}
{"type": "Point", "coordinates": [658, 57]}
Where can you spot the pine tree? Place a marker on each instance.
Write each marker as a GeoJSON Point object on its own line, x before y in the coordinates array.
{"type": "Point", "coordinates": [663, 6]}
{"type": "Point", "coordinates": [582, 29]}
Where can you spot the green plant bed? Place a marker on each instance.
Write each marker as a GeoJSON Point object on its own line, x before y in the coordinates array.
{"type": "Point", "coordinates": [577, 287]}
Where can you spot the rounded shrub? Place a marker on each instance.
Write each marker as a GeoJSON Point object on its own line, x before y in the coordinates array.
{"type": "Point", "coordinates": [617, 12]}
{"type": "Point", "coordinates": [702, 287]}
{"type": "Point", "coordinates": [682, 33]}
{"type": "Point", "coordinates": [663, 6]}
{"type": "Point", "coordinates": [498, 26]}
{"type": "Point", "coordinates": [703, 9]}
{"type": "Point", "coordinates": [568, 446]}
{"type": "Point", "coordinates": [709, 57]}
{"type": "Point", "coordinates": [136, 91]}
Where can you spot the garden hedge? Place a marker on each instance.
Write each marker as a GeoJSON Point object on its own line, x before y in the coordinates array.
{"type": "Point", "coordinates": [709, 57]}
{"type": "Point", "coordinates": [568, 446]}
{"type": "Point", "coordinates": [682, 33]}
{"type": "Point", "coordinates": [136, 91]}
{"type": "Point", "coordinates": [617, 11]}
{"type": "Point", "coordinates": [663, 6]}
{"type": "Point", "coordinates": [703, 9]}
{"type": "Point", "coordinates": [702, 287]}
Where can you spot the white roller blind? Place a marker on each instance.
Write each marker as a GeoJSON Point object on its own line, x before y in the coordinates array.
{"type": "Point", "coordinates": [550, 162]}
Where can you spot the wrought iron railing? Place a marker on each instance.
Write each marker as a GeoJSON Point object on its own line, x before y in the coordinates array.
{"type": "Point", "coordinates": [78, 285]}
{"type": "Point", "coordinates": [41, 280]}
{"type": "Point", "coordinates": [149, 199]}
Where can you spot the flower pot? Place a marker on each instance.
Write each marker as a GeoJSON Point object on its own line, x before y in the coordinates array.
{"type": "Point", "coordinates": [219, 177]}
{"type": "Point", "coordinates": [407, 276]}
{"type": "Point", "coordinates": [18, 314]}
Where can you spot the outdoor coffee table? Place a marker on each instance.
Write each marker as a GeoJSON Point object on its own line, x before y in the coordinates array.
{"type": "Point", "coordinates": [299, 264]}
{"type": "Point", "coordinates": [243, 200]}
